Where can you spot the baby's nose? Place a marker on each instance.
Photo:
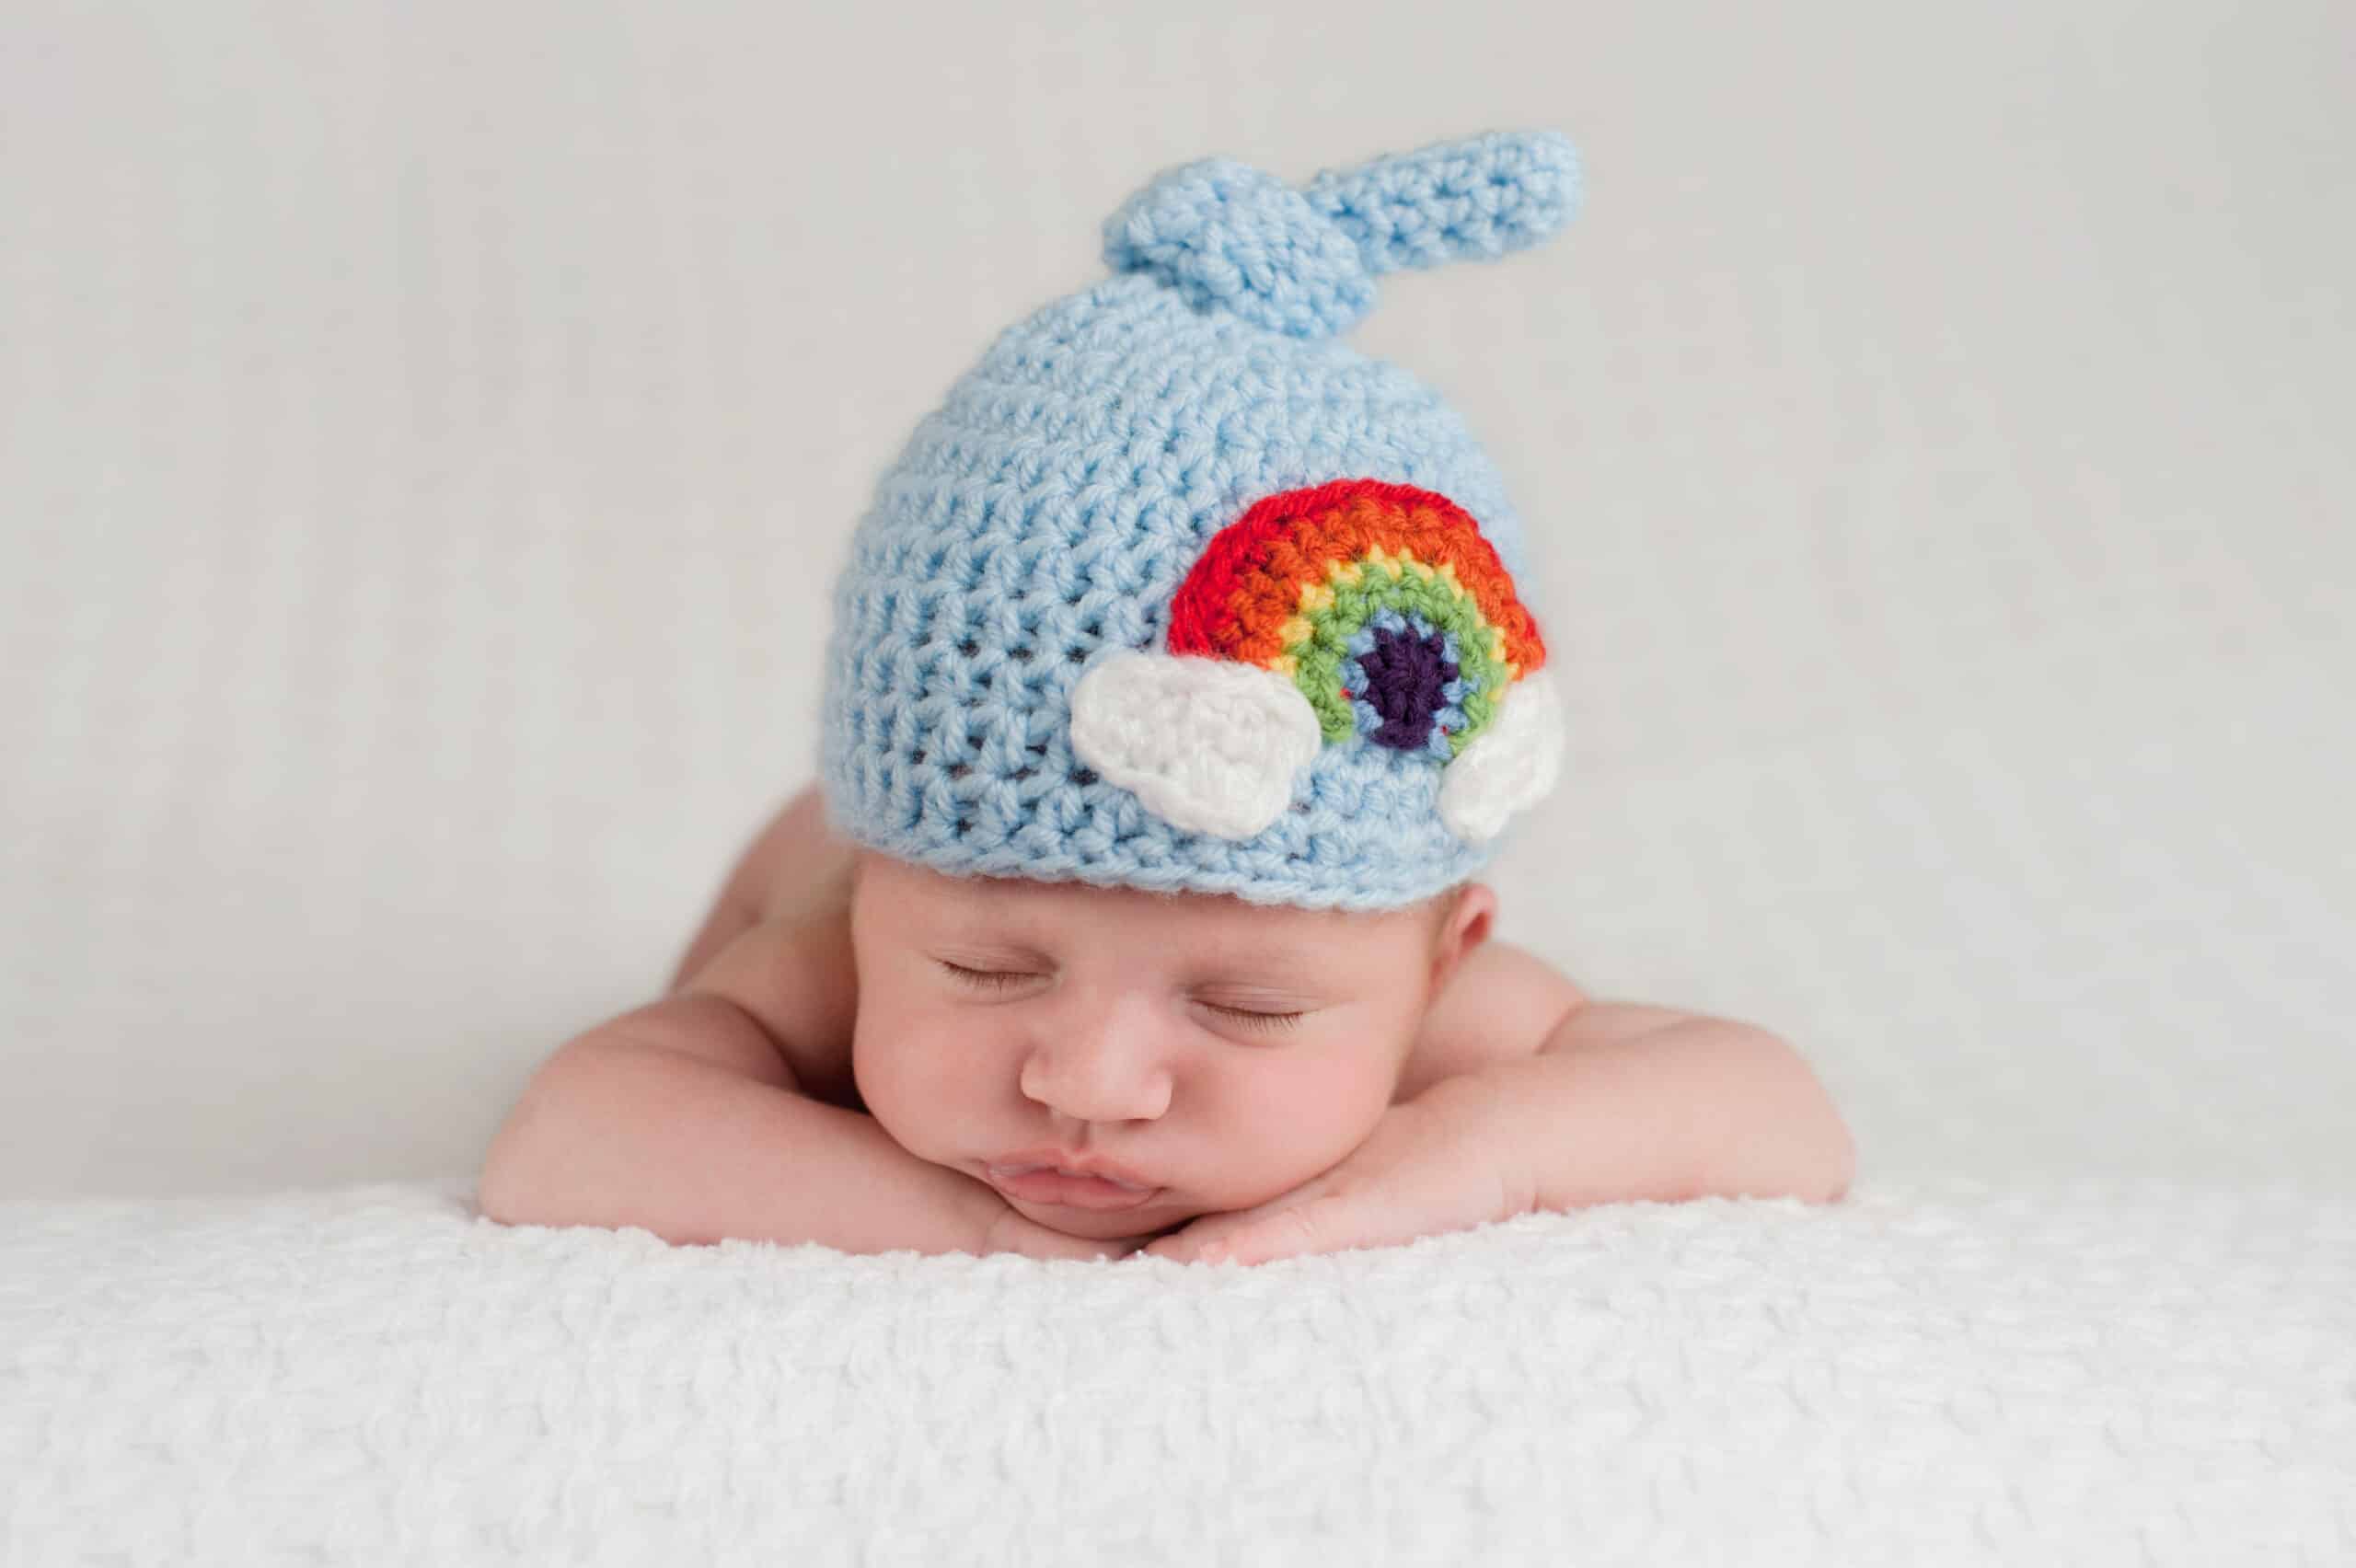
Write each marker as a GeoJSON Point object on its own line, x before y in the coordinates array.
{"type": "Point", "coordinates": [1098, 1082]}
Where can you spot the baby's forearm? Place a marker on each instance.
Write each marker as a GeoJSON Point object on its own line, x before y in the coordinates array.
{"type": "Point", "coordinates": [615, 1132]}
{"type": "Point", "coordinates": [1621, 1106]}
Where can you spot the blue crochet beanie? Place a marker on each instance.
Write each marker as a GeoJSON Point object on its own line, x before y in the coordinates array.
{"type": "Point", "coordinates": [1175, 592]}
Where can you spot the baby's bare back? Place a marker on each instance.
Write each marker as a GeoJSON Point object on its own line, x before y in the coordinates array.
{"type": "Point", "coordinates": [795, 865]}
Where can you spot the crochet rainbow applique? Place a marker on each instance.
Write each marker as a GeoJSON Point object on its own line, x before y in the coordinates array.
{"type": "Point", "coordinates": [1382, 602]}
{"type": "Point", "coordinates": [1352, 612]}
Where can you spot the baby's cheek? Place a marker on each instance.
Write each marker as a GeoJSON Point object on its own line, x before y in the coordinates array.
{"type": "Point", "coordinates": [1296, 1125]}
{"type": "Point", "coordinates": [903, 1080]}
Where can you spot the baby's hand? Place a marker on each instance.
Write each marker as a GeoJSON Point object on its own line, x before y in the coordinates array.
{"type": "Point", "coordinates": [1440, 1162]}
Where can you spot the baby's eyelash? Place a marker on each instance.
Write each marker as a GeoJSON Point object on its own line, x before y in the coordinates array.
{"type": "Point", "coordinates": [998, 979]}
{"type": "Point", "coordinates": [987, 979]}
{"type": "Point", "coordinates": [1257, 1020]}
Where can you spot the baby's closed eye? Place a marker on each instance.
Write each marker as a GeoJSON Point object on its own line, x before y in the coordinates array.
{"type": "Point", "coordinates": [1267, 1018]}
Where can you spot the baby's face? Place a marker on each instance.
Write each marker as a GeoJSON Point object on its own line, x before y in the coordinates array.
{"type": "Point", "coordinates": [1219, 1052]}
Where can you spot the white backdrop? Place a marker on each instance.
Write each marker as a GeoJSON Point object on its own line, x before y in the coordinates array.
{"type": "Point", "coordinates": [428, 431]}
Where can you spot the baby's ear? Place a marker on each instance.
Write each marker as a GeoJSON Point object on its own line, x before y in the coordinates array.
{"type": "Point", "coordinates": [1466, 925]}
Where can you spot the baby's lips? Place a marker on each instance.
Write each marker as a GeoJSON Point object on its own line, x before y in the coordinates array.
{"type": "Point", "coordinates": [1032, 1167]}
{"type": "Point", "coordinates": [1208, 745]}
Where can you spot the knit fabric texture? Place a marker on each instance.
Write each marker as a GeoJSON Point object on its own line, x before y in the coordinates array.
{"type": "Point", "coordinates": [1175, 592]}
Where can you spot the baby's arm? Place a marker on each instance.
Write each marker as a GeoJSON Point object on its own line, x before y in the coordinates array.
{"type": "Point", "coordinates": [1524, 1096]}
{"type": "Point", "coordinates": [1619, 1101]}
{"type": "Point", "coordinates": [1674, 1105]}
{"type": "Point", "coordinates": [688, 1117]}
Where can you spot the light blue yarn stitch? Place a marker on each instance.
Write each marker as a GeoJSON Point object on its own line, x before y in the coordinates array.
{"type": "Point", "coordinates": [1050, 506]}
{"type": "Point", "coordinates": [1303, 262]}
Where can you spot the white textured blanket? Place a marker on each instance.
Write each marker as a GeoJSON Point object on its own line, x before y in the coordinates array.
{"type": "Point", "coordinates": [1952, 1372]}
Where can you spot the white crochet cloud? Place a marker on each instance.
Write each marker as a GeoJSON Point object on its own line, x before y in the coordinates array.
{"type": "Point", "coordinates": [1508, 769]}
{"type": "Point", "coordinates": [1208, 746]}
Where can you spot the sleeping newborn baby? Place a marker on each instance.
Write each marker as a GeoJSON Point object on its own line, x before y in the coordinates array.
{"type": "Point", "coordinates": [874, 1054]}
{"type": "Point", "coordinates": [1182, 679]}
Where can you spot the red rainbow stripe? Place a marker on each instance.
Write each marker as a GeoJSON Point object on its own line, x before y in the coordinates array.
{"type": "Point", "coordinates": [1248, 584]}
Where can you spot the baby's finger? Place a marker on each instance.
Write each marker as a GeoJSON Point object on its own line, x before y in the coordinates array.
{"type": "Point", "coordinates": [1180, 1248]}
{"type": "Point", "coordinates": [1212, 1238]}
{"type": "Point", "coordinates": [1185, 1245]}
{"type": "Point", "coordinates": [1083, 1247]}
{"type": "Point", "coordinates": [1322, 1225]}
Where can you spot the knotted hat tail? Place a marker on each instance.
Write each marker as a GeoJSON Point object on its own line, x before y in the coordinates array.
{"type": "Point", "coordinates": [1303, 262]}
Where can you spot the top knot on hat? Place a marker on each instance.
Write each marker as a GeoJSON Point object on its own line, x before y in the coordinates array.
{"type": "Point", "coordinates": [1303, 262]}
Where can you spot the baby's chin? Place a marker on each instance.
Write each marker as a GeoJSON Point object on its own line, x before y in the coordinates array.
{"type": "Point", "coordinates": [1163, 1213]}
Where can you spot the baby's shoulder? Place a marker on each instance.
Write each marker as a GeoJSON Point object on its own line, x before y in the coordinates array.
{"type": "Point", "coordinates": [1500, 1005]}
{"type": "Point", "coordinates": [792, 972]}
